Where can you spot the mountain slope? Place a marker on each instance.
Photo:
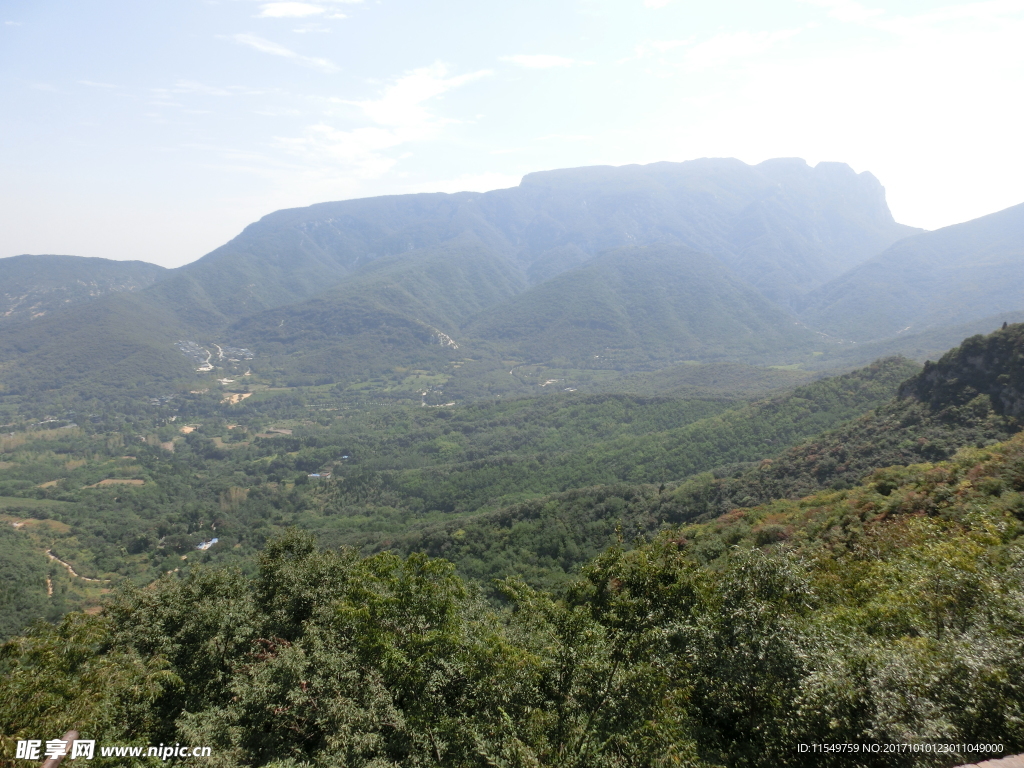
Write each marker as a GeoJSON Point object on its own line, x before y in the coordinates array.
{"type": "Point", "coordinates": [781, 226]}
{"type": "Point", "coordinates": [974, 395]}
{"type": "Point", "coordinates": [947, 277]}
{"type": "Point", "coordinates": [34, 286]}
{"type": "Point", "coordinates": [120, 341]}
{"type": "Point", "coordinates": [639, 305]}
{"type": "Point", "coordinates": [440, 286]}
{"type": "Point", "coordinates": [404, 310]}
{"type": "Point", "coordinates": [967, 398]}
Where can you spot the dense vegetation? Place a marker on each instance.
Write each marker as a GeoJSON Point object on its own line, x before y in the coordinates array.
{"type": "Point", "coordinates": [132, 498]}
{"type": "Point", "coordinates": [971, 397]}
{"type": "Point", "coordinates": [33, 286]}
{"type": "Point", "coordinates": [467, 480]}
{"type": "Point", "coordinates": [892, 612]}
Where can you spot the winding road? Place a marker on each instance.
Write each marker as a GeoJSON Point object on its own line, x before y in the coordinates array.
{"type": "Point", "coordinates": [72, 570]}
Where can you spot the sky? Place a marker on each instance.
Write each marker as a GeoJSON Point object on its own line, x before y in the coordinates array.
{"type": "Point", "coordinates": [158, 130]}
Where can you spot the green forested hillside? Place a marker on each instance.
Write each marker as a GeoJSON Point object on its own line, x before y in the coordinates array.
{"type": "Point", "coordinates": [23, 583]}
{"type": "Point", "coordinates": [883, 606]}
{"type": "Point", "coordinates": [133, 496]}
{"type": "Point", "coordinates": [638, 305]}
{"type": "Point", "coordinates": [718, 379]}
{"type": "Point", "coordinates": [35, 286]}
{"type": "Point", "coordinates": [889, 613]}
{"type": "Point", "coordinates": [406, 310]}
{"type": "Point", "coordinates": [948, 277]}
{"type": "Point", "coordinates": [970, 397]}
{"type": "Point", "coordinates": [118, 343]}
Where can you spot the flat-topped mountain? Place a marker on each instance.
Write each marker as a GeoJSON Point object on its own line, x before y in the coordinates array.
{"type": "Point", "coordinates": [633, 266]}
{"type": "Point", "coordinates": [781, 225]}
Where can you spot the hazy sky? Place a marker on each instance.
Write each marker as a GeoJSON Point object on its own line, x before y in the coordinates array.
{"type": "Point", "coordinates": [158, 129]}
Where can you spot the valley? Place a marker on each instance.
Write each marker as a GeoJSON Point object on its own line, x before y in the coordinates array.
{"type": "Point", "coordinates": [693, 460]}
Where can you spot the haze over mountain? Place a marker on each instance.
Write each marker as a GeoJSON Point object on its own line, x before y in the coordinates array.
{"type": "Point", "coordinates": [951, 276]}
{"type": "Point", "coordinates": [32, 286]}
{"type": "Point", "coordinates": [642, 304]}
{"type": "Point", "coordinates": [782, 225]}
{"type": "Point", "coordinates": [635, 267]}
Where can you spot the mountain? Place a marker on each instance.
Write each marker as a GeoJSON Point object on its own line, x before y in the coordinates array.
{"type": "Point", "coordinates": [35, 286]}
{"type": "Point", "coordinates": [781, 225]}
{"type": "Point", "coordinates": [637, 305]}
{"type": "Point", "coordinates": [948, 277]}
{"type": "Point", "coordinates": [388, 279]}
{"type": "Point", "coordinates": [397, 310]}
{"type": "Point", "coordinates": [120, 342]}
{"type": "Point", "coordinates": [973, 396]}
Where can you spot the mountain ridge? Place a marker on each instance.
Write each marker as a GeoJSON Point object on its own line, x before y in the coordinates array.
{"type": "Point", "coordinates": [950, 276]}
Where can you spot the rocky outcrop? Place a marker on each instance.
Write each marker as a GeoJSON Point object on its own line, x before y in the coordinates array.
{"type": "Point", "coordinates": [991, 366]}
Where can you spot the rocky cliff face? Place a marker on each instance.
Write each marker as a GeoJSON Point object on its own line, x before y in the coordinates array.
{"type": "Point", "coordinates": [990, 365]}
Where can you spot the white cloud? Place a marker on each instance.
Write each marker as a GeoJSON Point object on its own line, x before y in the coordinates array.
{"type": "Point", "coordinates": [268, 46]}
{"type": "Point", "coordinates": [539, 61]}
{"type": "Point", "coordinates": [656, 3]}
{"type": "Point", "coordinates": [289, 10]}
{"type": "Point", "coordinates": [726, 47]}
{"type": "Point", "coordinates": [299, 9]}
{"type": "Point", "coordinates": [846, 10]}
{"type": "Point", "coordinates": [400, 116]}
{"type": "Point", "coordinates": [402, 103]}
{"type": "Point", "coordinates": [565, 137]}
{"type": "Point", "coordinates": [660, 46]}
{"type": "Point", "coordinates": [190, 86]}
{"type": "Point", "coordinates": [992, 11]}
{"type": "Point", "coordinates": [315, 28]}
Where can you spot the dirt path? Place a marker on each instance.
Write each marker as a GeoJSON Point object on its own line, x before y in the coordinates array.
{"type": "Point", "coordinates": [72, 570]}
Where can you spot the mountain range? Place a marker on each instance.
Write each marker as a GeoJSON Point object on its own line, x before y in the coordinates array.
{"type": "Point", "coordinates": [619, 269]}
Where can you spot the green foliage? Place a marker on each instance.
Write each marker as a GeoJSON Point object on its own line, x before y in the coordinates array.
{"type": "Point", "coordinates": [23, 574]}
{"type": "Point", "coordinates": [64, 677]}
{"type": "Point", "coordinates": [972, 396]}
{"type": "Point", "coordinates": [125, 506]}
{"type": "Point", "coordinates": [949, 277]}
{"type": "Point", "coordinates": [635, 306]}
{"type": "Point", "coordinates": [34, 286]}
{"type": "Point", "coordinates": [892, 612]}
